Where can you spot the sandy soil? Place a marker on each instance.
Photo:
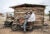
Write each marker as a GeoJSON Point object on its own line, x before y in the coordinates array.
{"type": "Point", "coordinates": [9, 31]}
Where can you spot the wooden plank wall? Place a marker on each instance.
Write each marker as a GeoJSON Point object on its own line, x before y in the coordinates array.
{"type": "Point", "coordinates": [39, 12]}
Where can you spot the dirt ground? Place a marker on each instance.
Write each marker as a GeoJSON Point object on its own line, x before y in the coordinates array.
{"type": "Point", "coordinates": [9, 31]}
{"type": "Point", "coordinates": [35, 31]}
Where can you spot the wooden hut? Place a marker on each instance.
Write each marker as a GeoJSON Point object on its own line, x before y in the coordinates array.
{"type": "Point", "coordinates": [20, 10]}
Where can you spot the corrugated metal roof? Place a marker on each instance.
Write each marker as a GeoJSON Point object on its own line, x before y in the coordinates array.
{"type": "Point", "coordinates": [28, 5]}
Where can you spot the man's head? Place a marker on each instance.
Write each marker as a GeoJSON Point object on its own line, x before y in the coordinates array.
{"type": "Point", "coordinates": [28, 12]}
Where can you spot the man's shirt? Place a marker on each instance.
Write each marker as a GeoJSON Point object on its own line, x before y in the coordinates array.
{"type": "Point", "coordinates": [31, 18]}
{"type": "Point", "coordinates": [27, 16]}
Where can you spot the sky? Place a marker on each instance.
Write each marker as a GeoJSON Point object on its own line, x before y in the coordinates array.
{"type": "Point", "coordinates": [5, 4]}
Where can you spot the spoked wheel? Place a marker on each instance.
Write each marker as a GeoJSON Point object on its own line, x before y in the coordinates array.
{"type": "Point", "coordinates": [30, 28]}
{"type": "Point", "coordinates": [8, 24]}
{"type": "Point", "coordinates": [14, 27]}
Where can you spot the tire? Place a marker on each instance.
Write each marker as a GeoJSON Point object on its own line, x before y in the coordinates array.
{"type": "Point", "coordinates": [31, 28]}
{"type": "Point", "coordinates": [7, 24]}
{"type": "Point", "coordinates": [14, 27]}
